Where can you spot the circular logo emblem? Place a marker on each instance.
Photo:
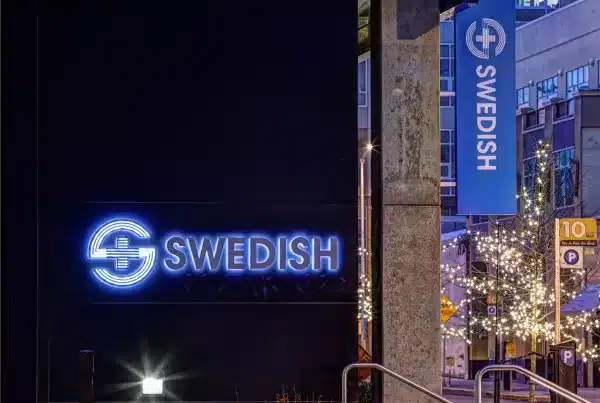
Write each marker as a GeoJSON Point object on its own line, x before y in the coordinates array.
{"type": "Point", "coordinates": [491, 37]}
{"type": "Point", "coordinates": [115, 261]}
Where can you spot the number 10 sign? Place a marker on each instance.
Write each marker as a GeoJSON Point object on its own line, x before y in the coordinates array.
{"type": "Point", "coordinates": [578, 232]}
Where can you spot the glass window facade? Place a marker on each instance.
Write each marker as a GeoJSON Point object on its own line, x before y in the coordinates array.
{"type": "Point", "coordinates": [547, 89]}
{"type": "Point", "coordinates": [534, 3]}
{"type": "Point", "coordinates": [564, 188]}
{"type": "Point", "coordinates": [447, 67]}
{"type": "Point", "coordinates": [363, 83]}
{"type": "Point", "coordinates": [447, 118]}
{"type": "Point", "coordinates": [448, 191]}
{"type": "Point", "coordinates": [447, 154]}
{"type": "Point", "coordinates": [529, 175]}
{"type": "Point", "coordinates": [448, 210]}
{"type": "Point", "coordinates": [577, 78]}
{"type": "Point", "coordinates": [447, 101]}
{"type": "Point", "coordinates": [523, 96]}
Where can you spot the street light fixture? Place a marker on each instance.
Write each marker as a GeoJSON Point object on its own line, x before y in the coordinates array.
{"type": "Point", "coordinates": [152, 386]}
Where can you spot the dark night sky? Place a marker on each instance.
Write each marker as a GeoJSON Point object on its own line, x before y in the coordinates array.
{"type": "Point", "coordinates": [244, 110]}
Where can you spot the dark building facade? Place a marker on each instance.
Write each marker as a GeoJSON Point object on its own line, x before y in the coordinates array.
{"type": "Point", "coordinates": [143, 118]}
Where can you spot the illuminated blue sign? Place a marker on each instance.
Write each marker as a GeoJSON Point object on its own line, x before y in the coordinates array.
{"type": "Point", "coordinates": [485, 109]}
{"type": "Point", "coordinates": [119, 273]}
{"type": "Point", "coordinates": [122, 255]}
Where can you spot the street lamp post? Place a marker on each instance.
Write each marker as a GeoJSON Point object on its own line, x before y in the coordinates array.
{"type": "Point", "coordinates": [363, 242]}
{"type": "Point", "coordinates": [497, 336]}
{"type": "Point", "coordinates": [363, 271]}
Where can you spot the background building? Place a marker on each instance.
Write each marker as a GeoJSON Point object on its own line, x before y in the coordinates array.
{"type": "Point", "coordinates": [559, 101]}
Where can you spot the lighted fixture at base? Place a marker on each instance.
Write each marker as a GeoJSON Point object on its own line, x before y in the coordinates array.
{"type": "Point", "coordinates": [152, 386]}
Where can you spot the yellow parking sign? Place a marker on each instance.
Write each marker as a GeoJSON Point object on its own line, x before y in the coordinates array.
{"type": "Point", "coordinates": [578, 232]}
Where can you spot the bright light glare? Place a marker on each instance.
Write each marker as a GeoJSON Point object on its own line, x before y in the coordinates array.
{"type": "Point", "coordinates": [369, 147]}
{"type": "Point", "coordinates": [152, 386]}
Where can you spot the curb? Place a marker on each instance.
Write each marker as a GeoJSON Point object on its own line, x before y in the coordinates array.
{"type": "Point", "coordinates": [522, 398]}
{"type": "Point", "coordinates": [506, 396]}
{"type": "Point", "coordinates": [458, 392]}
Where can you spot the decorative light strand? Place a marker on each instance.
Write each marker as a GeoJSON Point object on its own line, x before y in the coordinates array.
{"type": "Point", "coordinates": [365, 301]}
{"type": "Point", "coordinates": [522, 254]}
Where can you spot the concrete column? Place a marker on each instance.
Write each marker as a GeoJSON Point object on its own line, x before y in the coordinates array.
{"type": "Point", "coordinates": [410, 171]}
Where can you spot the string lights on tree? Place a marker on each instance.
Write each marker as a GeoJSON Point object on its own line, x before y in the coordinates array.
{"type": "Point", "coordinates": [365, 301]}
{"type": "Point", "coordinates": [523, 253]}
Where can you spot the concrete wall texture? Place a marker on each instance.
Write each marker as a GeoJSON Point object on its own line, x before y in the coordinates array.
{"type": "Point", "coordinates": [410, 164]}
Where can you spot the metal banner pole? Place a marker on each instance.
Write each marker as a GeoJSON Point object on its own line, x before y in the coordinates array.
{"type": "Point", "coordinates": [557, 279]}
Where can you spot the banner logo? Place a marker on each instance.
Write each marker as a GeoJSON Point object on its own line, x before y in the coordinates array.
{"type": "Point", "coordinates": [492, 33]}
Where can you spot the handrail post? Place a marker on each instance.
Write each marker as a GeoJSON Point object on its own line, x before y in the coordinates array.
{"type": "Point", "coordinates": [534, 377]}
{"type": "Point", "coordinates": [386, 371]}
{"type": "Point", "coordinates": [345, 384]}
{"type": "Point", "coordinates": [477, 390]}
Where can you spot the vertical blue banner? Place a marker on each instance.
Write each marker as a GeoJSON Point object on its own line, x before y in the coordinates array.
{"type": "Point", "coordinates": [485, 109]}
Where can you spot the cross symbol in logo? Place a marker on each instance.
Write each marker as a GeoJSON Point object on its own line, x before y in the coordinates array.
{"type": "Point", "coordinates": [122, 253]}
{"type": "Point", "coordinates": [491, 34]}
{"type": "Point", "coordinates": [485, 38]}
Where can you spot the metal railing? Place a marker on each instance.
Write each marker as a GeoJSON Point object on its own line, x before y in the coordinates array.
{"type": "Point", "coordinates": [534, 377]}
{"type": "Point", "coordinates": [387, 372]}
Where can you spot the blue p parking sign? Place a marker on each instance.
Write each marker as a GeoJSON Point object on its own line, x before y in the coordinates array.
{"type": "Point", "coordinates": [571, 257]}
{"type": "Point", "coordinates": [567, 356]}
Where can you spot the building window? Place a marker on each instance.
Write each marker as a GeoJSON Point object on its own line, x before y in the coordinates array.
{"type": "Point", "coordinates": [564, 188]}
{"type": "Point", "coordinates": [447, 84]}
{"type": "Point", "coordinates": [448, 211]}
{"type": "Point", "coordinates": [537, 3]}
{"type": "Point", "coordinates": [363, 83]}
{"type": "Point", "coordinates": [523, 97]}
{"type": "Point", "coordinates": [577, 78]}
{"type": "Point", "coordinates": [529, 175]}
{"type": "Point", "coordinates": [547, 89]}
{"type": "Point", "coordinates": [448, 191]}
{"type": "Point", "coordinates": [446, 67]}
{"type": "Point", "coordinates": [447, 154]}
{"type": "Point", "coordinates": [447, 101]}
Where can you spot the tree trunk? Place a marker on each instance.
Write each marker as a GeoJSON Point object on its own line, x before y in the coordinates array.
{"type": "Point", "coordinates": [533, 358]}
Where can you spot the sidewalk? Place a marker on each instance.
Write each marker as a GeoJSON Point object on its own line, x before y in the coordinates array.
{"type": "Point", "coordinates": [519, 392]}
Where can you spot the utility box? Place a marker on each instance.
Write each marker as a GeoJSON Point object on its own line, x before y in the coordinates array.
{"type": "Point", "coordinates": [562, 369]}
